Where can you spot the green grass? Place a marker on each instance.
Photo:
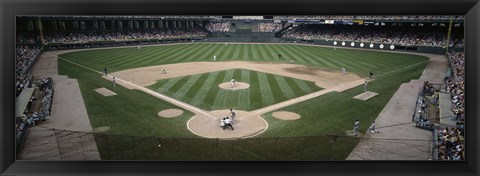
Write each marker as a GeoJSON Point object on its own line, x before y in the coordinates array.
{"type": "Point", "coordinates": [356, 61]}
{"type": "Point", "coordinates": [134, 113]}
{"type": "Point", "coordinates": [130, 112]}
{"type": "Point", "coordinates": [335, 112]}
{"type": "Point", "coordinates": [202, 90]}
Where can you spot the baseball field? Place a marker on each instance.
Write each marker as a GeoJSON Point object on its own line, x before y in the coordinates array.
{"type": "Point", "coordinates": [286, 95]}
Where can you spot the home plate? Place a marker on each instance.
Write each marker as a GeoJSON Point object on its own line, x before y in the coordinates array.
{"type": "Point", "coordinates": [105, 92]}
{"type": "Point", "coordinates": [366, 95]}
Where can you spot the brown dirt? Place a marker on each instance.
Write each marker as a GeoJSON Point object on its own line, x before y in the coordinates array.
{"type": "Point", "coordinates": [209, 126]}
{"type": "Point", "coordinates": [286, 115]}
{"type": "Point", "coordinates": [149, 75]}
{"type": "Point", "coordinates": [170, 113]}
{"type": "Point", "coordinates": [237, 86]}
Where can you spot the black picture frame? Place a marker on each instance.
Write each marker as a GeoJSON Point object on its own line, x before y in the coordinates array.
{"type": "Point", "coordinates": [9, 9]}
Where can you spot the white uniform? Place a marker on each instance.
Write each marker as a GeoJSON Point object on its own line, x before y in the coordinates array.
{"type": "Point", "coordinates": [356, 128]}
{"type": "Point", "coordinates": [343, 70]}
{"type": "Point", "coordinates": [232, 82]}
{"type": "Point", "coordinates": [365, 86]}
{"type": "Point", "coordinates": [372, 127]}
{"type": "Point", "coordinates": [214, 58]}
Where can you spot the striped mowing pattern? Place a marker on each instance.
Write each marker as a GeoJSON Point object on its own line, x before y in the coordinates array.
{"type": "Point", "coordinates": [356, 61]}
{"type": "Point", "coordinates": [265, 89]}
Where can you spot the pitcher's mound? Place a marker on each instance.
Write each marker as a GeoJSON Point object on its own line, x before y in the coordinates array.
{"type": "Point", "coordinates": [170, 113]}
{"type": "Point", "coordinates": [237, 86]}
{"type": "Point", "coordinates": [286, 115]}
{"type": "Point", "coordinates": [366, 95]}
{"type": "Point", "coordinates": [101, 129]}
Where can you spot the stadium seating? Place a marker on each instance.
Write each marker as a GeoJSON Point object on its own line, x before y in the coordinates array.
{"type": "Point", "coordinates": [384, 34]}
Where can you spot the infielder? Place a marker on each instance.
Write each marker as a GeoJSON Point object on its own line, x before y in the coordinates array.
{"type": "Point", "coordinates": [164, 71]}
{"type": "Point", "coordinates": [356, 127]}
{"type": "Point", "coordinates": [113, 80]}
{"type": "Point", "coordinates": [344, 71]}
{"type": "Point", "coordinates": [105, 71]}
{"type": "Point", "coordinates": [371, 75]}
{"type": "Point", "coordinates": [214, 58]}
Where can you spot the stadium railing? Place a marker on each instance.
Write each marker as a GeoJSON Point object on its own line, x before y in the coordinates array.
{"type": "Point", "coordinates": [122, 147]}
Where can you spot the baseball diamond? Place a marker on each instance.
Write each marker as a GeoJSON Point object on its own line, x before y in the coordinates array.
{"type": "Point", "coordinates": [170, 99]}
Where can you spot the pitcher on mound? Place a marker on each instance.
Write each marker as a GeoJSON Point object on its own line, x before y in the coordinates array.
{"type": "Point", "coordinates": [232, 83]}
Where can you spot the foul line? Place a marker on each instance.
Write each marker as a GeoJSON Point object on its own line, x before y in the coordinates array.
{"type": "Point", "coordinates": [156, 94]}
{"type": "Point", "coordinates": [257, 112]}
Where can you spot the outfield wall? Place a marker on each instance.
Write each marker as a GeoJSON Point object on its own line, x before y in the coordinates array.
{"type": "Point", "coordinates": [372, 45]}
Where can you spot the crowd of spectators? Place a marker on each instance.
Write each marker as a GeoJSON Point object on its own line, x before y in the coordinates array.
{"type": "Point", "coordinates": [450, 143]}
{"type": "Point", "coordinates": [89, 36]}
{"type": "Point", "coordinates": [456, 87]}
{"type": "Point", "coordinates": [421, 18]}
{"type": "Point", "coordinates": [218, 27]}
{"type": "Point", "coordinates": [406, 36]}
{"type": "Point", "coordinates": [457, 61]}
{"type": "Point", "coordinates": [269, 27]}
{"type": "Point", "coordinates": [25, 57]}
{"type": "Point", "coordinates": [28, 38]}
{"type": "Point", "coordinates": [459, 42]}
{"type": "Point", "coordinates": [138, 17]}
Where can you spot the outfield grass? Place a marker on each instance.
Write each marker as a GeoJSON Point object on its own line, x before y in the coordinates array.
{"type": "Point", "coordinates": [202, 90]}
{"type": "Point", "coordinates": [360, 62]}
{"type": "Point", "coordinates": [133, 112]}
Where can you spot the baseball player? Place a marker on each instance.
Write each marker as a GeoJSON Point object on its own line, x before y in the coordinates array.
{"type": "Point", "coordinates": [233, 115]}
{"type": "Point", "coordinates": [344, 71]}
{"type": "Point", "coordinates": [214, 58]}
{"type": "Point", "coordinates": [164, 71]}
{"type": "Point", "coordinates": [292, 62]}
{"type": "Point", "coordinates": [372, 127]}
{"type": "Point", "coordinates": [371, 75]}
{"type": "Point", "coordinates": [105, 71]}
{"type": "Point", "coordinates": [356, 127]}
{"type": "Point", "coordinates": [227, 122]}
{"type": "Point", "coordinates": [365, 85]}
{"type": "Point", "coordinates": [113, 80]}
{"type": "Point", "coordinates": [232, 82]}
{"type": "Point", "coordinates": [222, 123]}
